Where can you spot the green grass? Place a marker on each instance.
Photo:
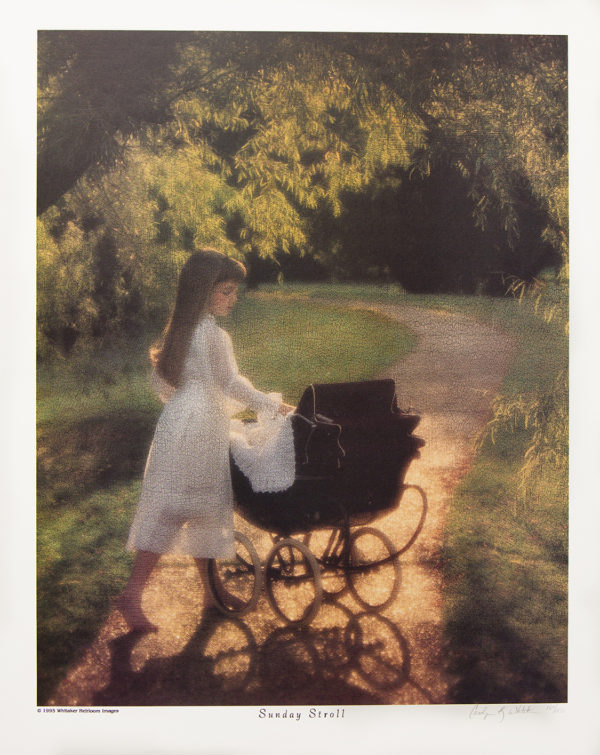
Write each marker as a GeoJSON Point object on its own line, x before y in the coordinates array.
{"type": "Point", "coordinates": [298, 343]}
{"type": "Point", "coordinates": [506, 584]}
{"type": "Point", "coordinates": [96, 415]}
{"type": "Point", "coordinates": [81, 563]}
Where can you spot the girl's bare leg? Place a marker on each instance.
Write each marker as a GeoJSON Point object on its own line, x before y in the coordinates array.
{"type": "Point", "coordinates": [129, 602]}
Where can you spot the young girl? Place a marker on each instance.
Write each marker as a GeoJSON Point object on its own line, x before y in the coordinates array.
{"type": "Point", "coordinates": [186, 505]}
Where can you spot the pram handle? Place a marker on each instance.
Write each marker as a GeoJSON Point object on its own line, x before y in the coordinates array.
{"type": "Point", "coordinates": [306, 419]}
{"type": "Point", "coordinates": [320, 417]}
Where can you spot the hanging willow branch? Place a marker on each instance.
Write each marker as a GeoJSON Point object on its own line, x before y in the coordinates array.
{"type": "Point", "coordinates": [546, 416]}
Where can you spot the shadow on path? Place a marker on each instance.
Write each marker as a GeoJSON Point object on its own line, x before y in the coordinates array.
{"type": "Point", "coordinates": [351, 663]}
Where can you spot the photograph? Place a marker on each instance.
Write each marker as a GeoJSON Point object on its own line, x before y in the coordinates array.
{"type": "Point", "coordinates": [340, 261]}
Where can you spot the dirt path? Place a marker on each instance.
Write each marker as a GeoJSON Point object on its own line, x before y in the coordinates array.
{"type": "Point", "coordinates": [346, 656]}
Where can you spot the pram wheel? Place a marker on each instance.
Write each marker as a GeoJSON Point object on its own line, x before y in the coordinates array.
{"type": "Point", "coordinates": [236, 583]}
{"type": "Point", "coordinates": [330, 548]}
{"type": "Point", "coordinates": [373, 570]}
{"type": "Point", "coordinates": [293, 582]}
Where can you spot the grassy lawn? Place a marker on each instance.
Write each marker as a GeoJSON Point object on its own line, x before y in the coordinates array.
{"type": "Point", "coordinates": [96, 415]}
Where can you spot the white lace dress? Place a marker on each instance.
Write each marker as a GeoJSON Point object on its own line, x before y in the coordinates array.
{"type": "Point", "coordinates": [186, 505]}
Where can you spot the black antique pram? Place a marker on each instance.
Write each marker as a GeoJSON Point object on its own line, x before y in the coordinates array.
{"type": "Point", "coordinates": [353, 447]}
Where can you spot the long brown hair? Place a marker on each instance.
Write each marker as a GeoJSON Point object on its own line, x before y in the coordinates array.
{"type": "Point", "coordinates": [202, 271]}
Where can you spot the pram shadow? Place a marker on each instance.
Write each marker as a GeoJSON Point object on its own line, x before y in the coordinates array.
{"type": "Point", "coordinates": [345, 658]}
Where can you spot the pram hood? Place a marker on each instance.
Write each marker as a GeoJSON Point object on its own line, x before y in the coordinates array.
{"type": "Point", "coordinates": [355, 426]}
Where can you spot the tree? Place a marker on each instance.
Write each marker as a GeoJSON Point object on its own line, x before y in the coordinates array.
{"type": "Point", "coordinates": [284, 146]}
{"type": "Point", "coordinates": [97, 90]}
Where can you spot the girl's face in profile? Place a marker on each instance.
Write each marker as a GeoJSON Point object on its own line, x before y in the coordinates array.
{"type": "Point", "coordinates": [223, 298]}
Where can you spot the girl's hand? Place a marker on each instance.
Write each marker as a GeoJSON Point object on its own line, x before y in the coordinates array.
{"type": "Point", "coordinates": [285, 409]}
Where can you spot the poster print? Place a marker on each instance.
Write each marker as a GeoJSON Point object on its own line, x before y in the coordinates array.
{"type": "Point", "coordinates": [350, 653]}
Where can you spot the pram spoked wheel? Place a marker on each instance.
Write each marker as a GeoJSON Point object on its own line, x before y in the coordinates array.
{"type": "Point", "coordinates": [330, 547]}
{"type": "Point", "coordinates": [293, 582]}
{"type": "Point", "coordinates": [236, 583]}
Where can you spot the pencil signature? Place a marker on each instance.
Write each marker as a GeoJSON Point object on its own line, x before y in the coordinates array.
{"type": "Point", "coordinates": [499, 713]}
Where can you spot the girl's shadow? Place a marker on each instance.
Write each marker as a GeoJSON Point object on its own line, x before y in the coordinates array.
{"type": "Point", "coordinates": [196, 676]}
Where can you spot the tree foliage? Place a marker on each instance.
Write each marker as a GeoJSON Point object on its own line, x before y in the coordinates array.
{"type": "Point", "coordinates": [437, 161]}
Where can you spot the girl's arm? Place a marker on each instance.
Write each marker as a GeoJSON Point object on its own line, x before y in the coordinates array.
{"type": "Point", "coordinates": [225, 371]}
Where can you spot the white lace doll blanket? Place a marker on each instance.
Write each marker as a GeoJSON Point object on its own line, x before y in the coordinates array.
{"type": "Point", "coordinates": [264, 451]}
